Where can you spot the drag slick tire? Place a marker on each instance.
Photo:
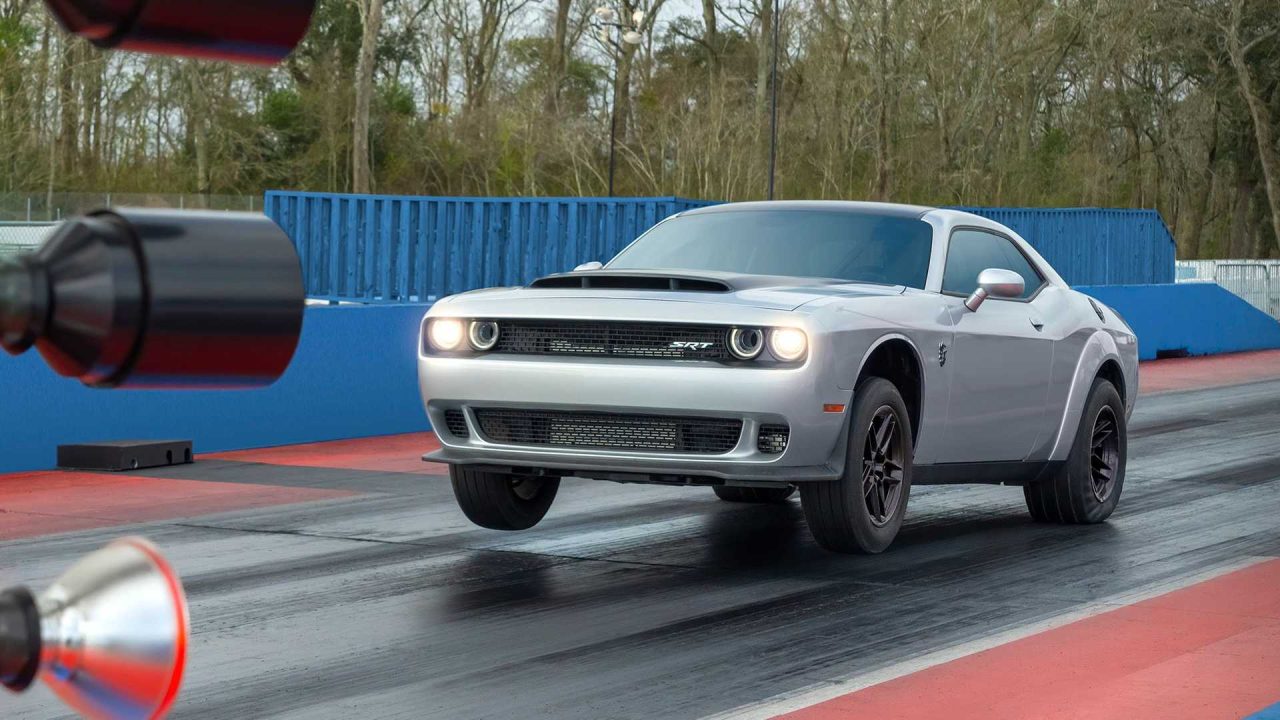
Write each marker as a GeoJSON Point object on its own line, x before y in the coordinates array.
{"type": "Point", "coordinates": [754, 494]}
{"type": "Point", "coordinates": [863, 511]}
{"type": "Point", "coordinates": [500, 501]}
{"type": "Point", "coordinates": [1087, 488]}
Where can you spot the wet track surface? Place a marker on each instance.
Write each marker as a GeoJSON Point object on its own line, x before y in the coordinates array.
{"type": "Point", "coordinates": [632, 601]}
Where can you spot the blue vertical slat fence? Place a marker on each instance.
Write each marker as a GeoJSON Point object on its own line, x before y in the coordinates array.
{"type": "Point", "coordinates": [1095, 246]}
{"type": "Point", "coordinates": [402, 248]}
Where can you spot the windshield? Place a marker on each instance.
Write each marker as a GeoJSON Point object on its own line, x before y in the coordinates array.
{"type": "Point", "coordinates": [852, 246]}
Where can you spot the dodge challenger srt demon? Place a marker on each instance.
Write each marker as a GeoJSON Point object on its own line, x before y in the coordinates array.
{"type": "Point", "coordinates": [848, 350]}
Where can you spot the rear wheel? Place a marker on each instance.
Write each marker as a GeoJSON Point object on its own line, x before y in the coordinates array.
{"type": "Point", "coordinates": [863, 511]}
{"type": "Point", "coordinates": [754, 494]}
{"type": "Point", "coordinates": [501, 501]}
{"type": "Point", "coordinates": [1087, 487]}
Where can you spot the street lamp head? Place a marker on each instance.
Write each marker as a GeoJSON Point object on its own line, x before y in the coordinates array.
{"type": "Point", "coordinates": [637, 18]}
{"type": "Point", "coordinates": [631, 37]}
{"type": "Point", "coordinates": [605, 14]}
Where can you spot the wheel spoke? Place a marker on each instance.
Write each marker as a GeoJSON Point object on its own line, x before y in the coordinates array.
{"type": "Point", "coordinates": [1104, 453]}
{"type": "Point", "coordinates": [887, 429]}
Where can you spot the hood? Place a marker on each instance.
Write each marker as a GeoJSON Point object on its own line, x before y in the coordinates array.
{"type": "Point", "coordinates": [762, 291]}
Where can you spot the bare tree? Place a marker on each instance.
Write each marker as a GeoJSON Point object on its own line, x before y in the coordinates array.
{"type": "Point", "coordinates": [371, 21]}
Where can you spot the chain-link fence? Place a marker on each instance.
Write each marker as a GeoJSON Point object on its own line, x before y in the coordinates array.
{"type": "Point", "coordinates": [18, 236]}
{"type": "Point", "coordinates": [45, 207]}
{"type": "Point", "coordinates": [1255, 281]}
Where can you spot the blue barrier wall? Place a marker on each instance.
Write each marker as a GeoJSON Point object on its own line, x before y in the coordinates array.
{"type": "Point", "coordinates": [1094, 246]}
{"type": "Point", "coordinates": [1191, 318]}
{"type": "Point", "coordinates": [354, 375]}
{"type": "Point", "coordinates": [385, 248]}
{"type": "Point", "coordinates": [417, 249]}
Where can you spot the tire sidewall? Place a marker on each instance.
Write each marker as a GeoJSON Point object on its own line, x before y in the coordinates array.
{"type": "Point", "coordinates": [870, 397]}
{"type": "Point", "coordinates": [1103, 393]}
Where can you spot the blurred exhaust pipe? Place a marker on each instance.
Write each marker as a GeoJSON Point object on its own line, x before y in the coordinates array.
{"type": "Point", "coordinates": [109, 637]}
{"type": "Point", "coordinates": [153, 298]}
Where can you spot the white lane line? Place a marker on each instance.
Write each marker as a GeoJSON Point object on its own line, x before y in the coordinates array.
{"type": "Point", "coordinates": [829, 689]}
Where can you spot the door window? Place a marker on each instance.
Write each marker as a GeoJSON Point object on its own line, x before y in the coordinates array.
{"type": "Point", "coordinates": [972, 251]}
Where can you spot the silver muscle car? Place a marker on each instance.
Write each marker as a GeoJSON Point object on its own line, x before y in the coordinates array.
{"type": "Point", "coordinates": [846, 349]}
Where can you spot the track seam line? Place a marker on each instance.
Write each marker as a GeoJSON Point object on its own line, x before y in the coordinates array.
{"type": "Point", "coordinates": [436, 546]}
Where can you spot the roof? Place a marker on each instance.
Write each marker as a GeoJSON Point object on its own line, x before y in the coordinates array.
{"type": "Point", "coordinates": [877, 208]}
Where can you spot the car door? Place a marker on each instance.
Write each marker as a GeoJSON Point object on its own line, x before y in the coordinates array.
{"type": "Point", "coordinates": [1000, 358]}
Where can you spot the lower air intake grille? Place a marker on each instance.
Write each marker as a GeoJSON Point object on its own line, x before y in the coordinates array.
{"type": "Point", "coordinates": [456, 422]}
{"type": "Point", "coordinates": [773, 438]}
{"type": "Point", "coordinates": [708, 436]}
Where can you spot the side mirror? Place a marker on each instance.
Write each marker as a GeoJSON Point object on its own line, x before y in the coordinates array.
{"type": "Point", "coordinates": [593, 265]}
{"type": "Point", "coordinates": [996, 282]}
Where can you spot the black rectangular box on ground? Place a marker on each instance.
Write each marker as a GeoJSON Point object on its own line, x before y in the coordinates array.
{"type": "Point", "coordinates": [124, 455]}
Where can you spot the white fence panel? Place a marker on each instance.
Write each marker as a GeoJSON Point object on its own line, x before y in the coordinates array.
{"type": "Point", "coordinates": [1256, 281]}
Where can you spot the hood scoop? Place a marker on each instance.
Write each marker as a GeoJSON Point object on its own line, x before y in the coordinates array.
{"type": "Point", "coordinates": [614, 280]}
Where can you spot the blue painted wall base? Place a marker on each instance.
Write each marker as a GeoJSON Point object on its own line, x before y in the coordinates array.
{"type": "Point", "coordinates": [1190, 318]}
{"type": "Point", "coordinates": [354, 375]}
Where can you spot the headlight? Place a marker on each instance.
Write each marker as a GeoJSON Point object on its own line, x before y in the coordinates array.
{"type": "Point", "coordinates": [788, 343]}
{"type": "Point", "coordinates": [445, 333]}
{"type": "Point", "coordinates": [483, 334]}
{"type": "Point", "coordinates": [745, 343]}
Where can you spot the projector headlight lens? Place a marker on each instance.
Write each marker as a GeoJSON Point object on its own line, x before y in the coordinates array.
{"type": "Point", "coordinates": [746, 343]}
{"type": "Point", "coordinates": [446, 334]}
{"type": "Point", "coordinates": [483, 334]}
{"type": "Point", "coordinates": [788, 344]}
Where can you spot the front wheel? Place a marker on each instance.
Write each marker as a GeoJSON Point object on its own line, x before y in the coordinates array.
{"type": "Point", "coordinates": [1087, 487]}
{"type": "Point", "coordinates": [863, 510]}
{"type": "Point", "coordinates": [501, 501]}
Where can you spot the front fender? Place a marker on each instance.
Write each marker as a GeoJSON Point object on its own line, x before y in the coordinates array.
{"type": "Point", "coordinates": [1099, 348]}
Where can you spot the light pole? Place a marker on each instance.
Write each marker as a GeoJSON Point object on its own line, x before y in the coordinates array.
{"type": "Point", "coordinates": [607, 26]}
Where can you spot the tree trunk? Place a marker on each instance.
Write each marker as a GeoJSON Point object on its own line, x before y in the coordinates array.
{"type": "Point", "coordinates": [884, 161]}
{"type": "Point", "coordinates": [1260, 115]}
{"type": "Point", "coordinates": [361, 180]}
{"type": "Point", "coordinates": [559, 53]}
{"type": "Point", "coordinates": [1200, 202]}
{"type": "Point", "coordinates": [1238, 242]}
{"type": "Point", "coordinates": [764, 55]}
{"type": "Point", "coordinates": [711, 35]}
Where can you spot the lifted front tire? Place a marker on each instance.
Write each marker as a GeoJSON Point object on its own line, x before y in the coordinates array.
{"type": "Point", "coordinates": [863, 511]}
{"type": "Point", "coordinates": [501, 501]}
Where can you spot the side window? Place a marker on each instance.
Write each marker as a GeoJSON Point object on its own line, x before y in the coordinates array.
{"type": "Point", "coordinates": [972, 251]}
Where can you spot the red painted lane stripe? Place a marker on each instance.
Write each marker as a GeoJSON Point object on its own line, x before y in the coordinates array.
{"type": "Point", "coordinates": [42, 503]}
{"type": "Point", "coordinates": [1210, 371]}
{"type": "Point", "coordinates": [1211, 650]}
{"type": "Point", "coordinates": [390, 453]}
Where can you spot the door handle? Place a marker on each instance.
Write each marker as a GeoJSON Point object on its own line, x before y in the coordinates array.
{"type": "Point", "coordinates": [1037, 324]}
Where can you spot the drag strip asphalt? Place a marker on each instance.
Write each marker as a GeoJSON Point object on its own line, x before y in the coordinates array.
{"type": "Point", "coordinates": [640, 602]}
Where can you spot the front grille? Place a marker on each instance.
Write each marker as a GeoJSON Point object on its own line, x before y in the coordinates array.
{"type": "Point", "coordinates": [613, 339]}
{"type": "Point", "coordinates": [772, 439]}
{"type": "Point", "coordinates": [708, 436]}
{"type": "Point", "coordinates": [456, 422]}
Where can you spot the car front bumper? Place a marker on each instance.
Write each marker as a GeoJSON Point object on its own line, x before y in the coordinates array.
{"type": "Point", "coordinates": [797, 396]}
